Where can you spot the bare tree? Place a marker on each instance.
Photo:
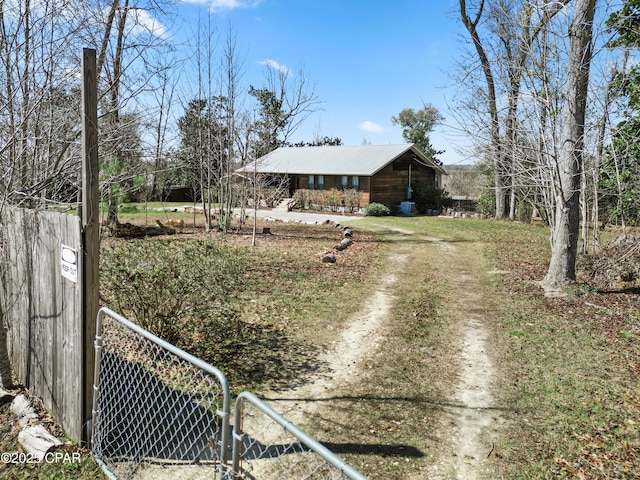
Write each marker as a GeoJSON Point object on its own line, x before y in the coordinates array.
{"type": "Point", "coordinates": [210, 146]}
{"type": "Point", "coordinates": [38, 117]}
{"type": "Point", "coordinates": [129, 43]}
{"type": "Point", "coordinates": [601, 111]}
{"type": "Point", "coordinates": [39, 96]}
{"type": "Point", "coordinates": [203, 125]}
{"type": "Point", "coordinates": [514, 26]}
{"type": "Point", "coordinates": [283, 104]}
{"type": "Point", "coordinates": [231, 70]}
{"type": "Point", "coordinates": [163, 92]}
{"type": "Point", "coordinates": [567, 171]}
{"type": "Point", "coordinates": [497, 152]}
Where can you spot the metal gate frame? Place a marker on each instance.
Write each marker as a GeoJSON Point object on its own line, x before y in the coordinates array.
{"type": "Point", "coordinates": [304, 441]}
{"type": "Point", "coordinates": [223, 449]}
{"type": "Point", "coordinates": [226, 468]}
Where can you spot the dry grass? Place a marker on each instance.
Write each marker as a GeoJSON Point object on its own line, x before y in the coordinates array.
{"type": "Point", "coordinates": [568, 368]}
{"type": "Point", "coordinates": [85, 469]}
{"type": "Point", "coordinates": [566, 382]}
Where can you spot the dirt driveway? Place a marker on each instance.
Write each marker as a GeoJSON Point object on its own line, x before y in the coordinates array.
{"type": "Point", "coordinates": [468, 423]}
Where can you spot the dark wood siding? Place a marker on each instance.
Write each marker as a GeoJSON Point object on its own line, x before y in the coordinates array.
{"type": "Point", "coordinates": [390, 184]}
{"type": "Point", "coordinates": [365, 188]}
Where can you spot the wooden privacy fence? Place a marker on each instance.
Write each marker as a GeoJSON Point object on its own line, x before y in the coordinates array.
{"type": "Point", "coordinates": [42, 294]}
{"type": "Point", "coordinates": [50, 286]}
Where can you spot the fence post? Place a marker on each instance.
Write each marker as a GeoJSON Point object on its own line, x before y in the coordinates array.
{"type": "Point", "coordinates": [90, 229]}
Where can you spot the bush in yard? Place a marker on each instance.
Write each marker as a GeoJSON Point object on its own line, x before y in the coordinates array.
{"type": "Point", "coordinates": [318, 200]}
{"type": "Point", "coordinates": [178, 290]}
{"type": "Point", "coordinates": [352, 199]}
{"type": "Point", "coordinates": [376, 210]}
{"type": "Point", "coordinates": [334, 200]}
{"type": "Point", "coordinates": [302, 198]}
{"type": "Point", "coordinates": [431, 197]}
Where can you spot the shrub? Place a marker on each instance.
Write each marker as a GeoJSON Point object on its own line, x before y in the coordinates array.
{"type": "Point", "coordinates": [352, 199]}
{"type": "Point", "coordinates": [334, 200]}
{"type": "Point", "coordinates": [177, 290]}
{"type": "Point", "coordinates": [487, 203]}
{"type": "Point", "coordinates": [318, 199]}
{"type": "Point", "coordinates": [302, 198]}
{"type": "Point", "coordinates": [376, 210]}
{"type": "Point", "coordinates": [429, 196]}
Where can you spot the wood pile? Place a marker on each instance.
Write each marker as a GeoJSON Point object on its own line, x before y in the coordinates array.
{"type": "Point", "coordinates": [128, 230]}
{"type": "Point", "coordinates": [176, 223]}
{"type": "Point", "coordinates": [615, 265]}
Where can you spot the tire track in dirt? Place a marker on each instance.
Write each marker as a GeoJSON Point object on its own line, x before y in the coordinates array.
{"type": "Point", "coordinates": [339, 366]}
{"type": "Point", "coordinates": [470, 420]}
{"type": "Point", "coordinates": [360, 338]}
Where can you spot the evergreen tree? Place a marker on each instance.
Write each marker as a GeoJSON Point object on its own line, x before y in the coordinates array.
{"type": "Point", "coordinates": [620, 173]}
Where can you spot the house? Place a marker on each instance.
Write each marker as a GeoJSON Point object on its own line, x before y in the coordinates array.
{"type": "Point", "coordinates": [381, 173]}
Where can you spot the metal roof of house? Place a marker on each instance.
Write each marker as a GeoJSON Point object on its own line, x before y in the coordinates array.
{"type": "Point", "coordinates": [363, 160]}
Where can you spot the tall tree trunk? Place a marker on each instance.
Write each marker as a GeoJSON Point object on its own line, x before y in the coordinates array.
{"type": "Point", "coordinates": [504, 150]}
{"type": "Point", "coordinates": [565, 229]}
{"type": "Point", "coordinates": [584, 212]}
{"type": "Point", "coordinates": [496, 141]}
{"type": "Point", "coordinates": [602, 132]}
{"type": "Point", "coordinates": [107, 34]}
{"type": "Point", "coordinates": [166, 97]}
{"type": "Point", "coordinates": [6, 381]}
{"type": "Point", "coordinates": [112, 209]}
{"type": "Point", "coordinates": [25, 86]}
{"type": "Point", "coordinates": [9, 88]}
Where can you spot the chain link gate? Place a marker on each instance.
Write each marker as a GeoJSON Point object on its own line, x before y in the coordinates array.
{"type": "Point", "coordinates": [267, 446]}
{"type": "Point", "coordinates": [158, 412]}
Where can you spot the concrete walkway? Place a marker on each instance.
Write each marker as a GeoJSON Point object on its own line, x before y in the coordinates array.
{"type": "Point", "coordinates": [299, 217]}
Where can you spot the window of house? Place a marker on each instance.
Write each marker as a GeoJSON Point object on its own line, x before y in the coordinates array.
{"type": "Point", "coordinates": [345, 182]}
{"type": "Point", "coordinates": [320, 182]}
{"type": "Point", "coordinates": [355, 182]}
{"type": "Point", "coordinates": [311, 182]}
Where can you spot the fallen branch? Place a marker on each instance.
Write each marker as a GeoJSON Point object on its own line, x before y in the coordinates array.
{"type": "Point", "coordinates": [127, 230]}
{"type": "Point", "coordinates": [34, 438]}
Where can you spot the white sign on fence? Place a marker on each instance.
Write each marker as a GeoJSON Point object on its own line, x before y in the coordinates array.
{"type": "Point", "coordinates": [69, 259]}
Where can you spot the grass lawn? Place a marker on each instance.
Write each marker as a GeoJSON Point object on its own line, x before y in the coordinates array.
{"type": "Point", "coordinates": [568, 367]}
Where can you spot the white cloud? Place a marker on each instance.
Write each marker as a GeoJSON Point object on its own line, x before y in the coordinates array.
{"type": "Point", "coordinates": [220, 5]}
{"type": "Point", "coordinates": [276, 66]}
{"type": "Point", "coordinates": [145, 23]}
{"type": "Point", "coordinates": [371, 127]}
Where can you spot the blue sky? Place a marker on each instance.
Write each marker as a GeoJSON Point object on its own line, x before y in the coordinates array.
{"type": "Point", "coordinates": [367, 60]}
